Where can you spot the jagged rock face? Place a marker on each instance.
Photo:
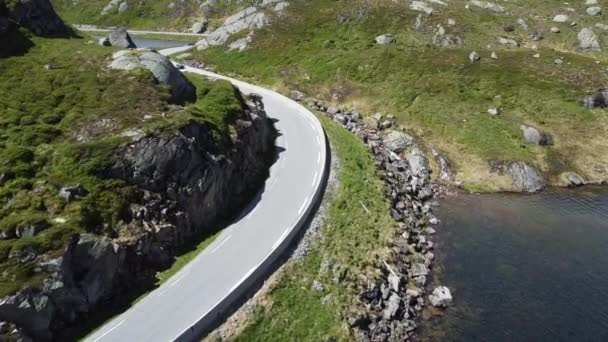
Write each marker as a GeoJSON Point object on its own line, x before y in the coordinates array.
{"type": "Point", "coordinates": [190, 183]}
{"type": "Point", "coordinates": [37, 15]}
{"type": "Point", "coordinates": [205, 185]}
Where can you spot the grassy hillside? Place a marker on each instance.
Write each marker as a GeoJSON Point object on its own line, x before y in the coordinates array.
{"type": "Point", "coordinates": [154, 15]}
{"type": "Point", "coordinates": [59, 127]}
{"type": "Point", "coordinates": [435, 92]}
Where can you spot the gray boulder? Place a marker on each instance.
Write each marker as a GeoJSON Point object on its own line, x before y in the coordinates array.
{"type": "Point", "coordinates": [161, 67]}
{"type": "Point", "coordinates": [441, 297]}
{"type": "Point", "coordinates": [393, 307]}
{"type": "Point", "coordinates": [200, 27]}
{"type": "Point", "coordinates": [418, 163]}
{"type": "Point", "coordinates": [573, 179]}
{"type": "Point", "coordinates": [507, 41]}
{"type": "Point", "coordinates": [595, 10]}
{"type": "Point", "coordinates": [561, 18]}
{"type": "Point", "coordinates": [121, 38]}
{"type": "Point", "coordinates": [474, 57]}
{"type": "Point", "coordinates": [385, 39]}
{"type": "Point", "coordinates": [588, 40]}
{"type": "Point", "coordinates": [536, 137]}
{"type": "Point", "coordinates": [397, 141]}
{"type": "Point", "coordinates": [597, 100]}
{"type": "Point", "coordinates": [525, 178]}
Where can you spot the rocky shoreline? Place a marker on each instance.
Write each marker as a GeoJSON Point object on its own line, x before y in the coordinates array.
{"type": "Point", "coordinates": [390, 305]}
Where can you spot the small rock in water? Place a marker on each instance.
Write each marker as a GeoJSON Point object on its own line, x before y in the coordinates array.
{"type": "Point", "coordinates": [441, 297]}
{"type": "Point", "coordinates": [555, 29]}
{"type": "Point", "coordinates": [561, 18]}
{"type": "Point", "coordinates": [494, 55]}
{"type": "Point", "coordinates": [536, 55]}
{"type": "Point", "coordinates": [558, 61]}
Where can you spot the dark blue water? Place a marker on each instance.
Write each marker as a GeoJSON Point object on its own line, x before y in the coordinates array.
{"type": "Point", "coordinates": [524, 268]}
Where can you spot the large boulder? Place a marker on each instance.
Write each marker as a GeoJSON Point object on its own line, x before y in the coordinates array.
{"type": "Point", "coordinates": [200, 27]}
{"type": "Point", "coordinates": [385, 39]}
{"type": "Point", "coordinates": [597, 100]}
{"type": "Point", "coordinates": [441, 297]}
{"type": "Point", "coordinates": [397, 141]}
{"type": "Point", "coordinates": [588, 40]}
{"type": "Point", "coordinates": [536, 137]}
{"type": "Point", "coordinates": [418, 163]}
{"type": "Point", "coordinates": [525, 178]}
{"type": "Point", "coordinates": [160, 66]}
{"type": "Point", "coordinates": [121, 38]}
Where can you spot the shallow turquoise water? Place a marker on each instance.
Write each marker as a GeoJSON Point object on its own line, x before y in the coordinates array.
{"type": "Point", "coordinates": [524, 268]}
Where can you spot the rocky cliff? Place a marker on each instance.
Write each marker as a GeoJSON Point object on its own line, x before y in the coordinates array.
{"type": "Point", "coordinates": [187, 184]}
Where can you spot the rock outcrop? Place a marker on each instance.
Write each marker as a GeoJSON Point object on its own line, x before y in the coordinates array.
{"type": "Point", "coordinates": [121, 38]}
{"type": "Point", "coordinates": [187, 184]}
{"type": "Point", "coordinates": [160, 66]}
{"type": "Point", "coordinates": [36, 15]}
{"type": "Point", "coordinates": [526, 178]}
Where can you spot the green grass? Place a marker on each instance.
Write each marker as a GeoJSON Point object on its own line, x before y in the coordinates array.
{"type": "Point", "coordinates": [436, 93]}
{"type": "Point", "coordinates": [350, 238]}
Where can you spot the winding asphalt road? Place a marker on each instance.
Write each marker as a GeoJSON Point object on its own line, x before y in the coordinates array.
{"type": "Point", "coordinates": [179, 308]}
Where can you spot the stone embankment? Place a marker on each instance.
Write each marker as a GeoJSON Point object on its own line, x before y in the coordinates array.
{"type": "Point", "coordinates": [391, 303]}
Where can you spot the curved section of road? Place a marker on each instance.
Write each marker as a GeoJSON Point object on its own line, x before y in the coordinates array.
{"type": "Point", "coordinates": [182, 306]}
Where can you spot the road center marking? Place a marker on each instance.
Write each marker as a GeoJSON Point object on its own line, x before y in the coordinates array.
{"type": "Point", "coordinates": [220, 244]}
{"type": "Point", "coordinates": [110, 330]}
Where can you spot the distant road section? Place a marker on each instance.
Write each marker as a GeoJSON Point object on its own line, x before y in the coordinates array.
{"type": "Point", "coordinates": [185, 304]}
{"type": "Point", "coordinates": [93, 28]}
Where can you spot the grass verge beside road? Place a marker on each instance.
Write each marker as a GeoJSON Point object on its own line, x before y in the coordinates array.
{"type": "Point", "coordinates": [348, 244]}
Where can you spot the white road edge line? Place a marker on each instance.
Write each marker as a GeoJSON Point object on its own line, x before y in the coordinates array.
{"type": "Point", "coordinates": [221, 243]}
{"type": "Point", "coordinates": [110, 330]}
{"type": "Point", "coordinates": [318, 140]}
{"type": "Point", "coordinates": [314, 180]}
{"type": "Point", "coordinates": [318, 157]}
{"type": "Point", "coordinates": [280, 240]}
{"type": "Point", "coordinates": [303, 206]}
